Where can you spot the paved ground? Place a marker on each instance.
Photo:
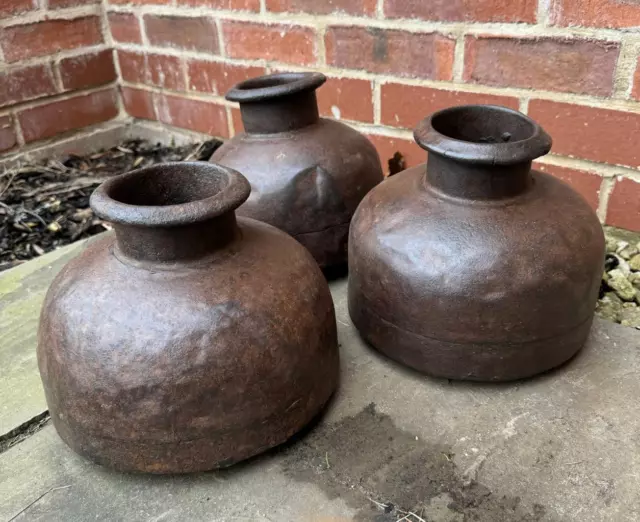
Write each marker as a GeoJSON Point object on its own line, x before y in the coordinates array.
{"type": "Point", "coordinates": [565, 446]}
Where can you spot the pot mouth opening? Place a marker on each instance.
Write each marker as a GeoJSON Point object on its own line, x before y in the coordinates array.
{"type": "Point", "coordinates": [274, 86]}
{"type": "Point", "coordinates": [170, 194]}
{"type": "Point", "coordinates": [483, 134]}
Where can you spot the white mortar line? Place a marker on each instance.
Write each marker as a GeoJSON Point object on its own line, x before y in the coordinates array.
{"type": "Point", "coordinates": [57, 14]}
{"type": "Point", "coordinates": [625, 69]}
{"type": "Point", "coordinates": [524, 105]}
{"type": "Point", "coordinates": [380, 9]}
{"type": "Point", "coordinates": [106, 28]}
{"type": "Point", "coordinates": [409, 25]}
{"type": "Point", "coordinates": [321, 50]}
{"type": "Point", "coordinates": [54, 70]}
{"type": "Point", "coordinates": [377, 102]}
{"type": "Point", "coordinates": [263, 6]}
{"type": "Point", "coordinates": [544, 9]}
{"type": "Point", "coordinates": [192, 95]}
{"type": "Point", "coordinates": [606, 188]}
{"type": "Point", "coordinates": [605, 170]}
{"type": "Point", "coordinates": [43, 60]}
{"type": "Point", "coordinates": [458, 59]}
{"type": "Point", "coordinates": [17, 129]}
{"type": "Point", "coordinates": [379, 130]}
{"type": "Point", "coordinates": [221, 46]}
{"type": "Point", "coordinates": [185, 75]}
{"type": "Point", "coordinates": [230, 126]}
{"type": "Point", "coordinates": [143, 29]}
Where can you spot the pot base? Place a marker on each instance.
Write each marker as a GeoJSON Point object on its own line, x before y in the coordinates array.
{"type": "Point", "coordinates": [487, 362]}
{"type": "Point", "coordinates": [222, 449]}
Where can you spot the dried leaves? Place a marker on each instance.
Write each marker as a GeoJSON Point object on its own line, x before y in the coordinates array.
{"type": "Point", "coordinates": [45, 206]}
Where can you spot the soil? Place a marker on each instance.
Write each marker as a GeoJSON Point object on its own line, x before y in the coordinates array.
{"type": "Point", "coordinates": [46, 205]}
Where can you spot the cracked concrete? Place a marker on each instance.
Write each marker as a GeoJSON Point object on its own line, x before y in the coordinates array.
{"type": "Point", "coordinates": [562, 447]}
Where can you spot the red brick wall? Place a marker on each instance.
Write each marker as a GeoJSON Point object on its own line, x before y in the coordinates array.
{"type": "Point", "coordinates": [570, 64]}
{"type": "Point", "coordinates": [57, 73]}
{"type": "Point", "coordinates": [573, 65]}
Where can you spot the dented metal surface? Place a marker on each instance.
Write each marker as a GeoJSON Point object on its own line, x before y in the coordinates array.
{"type": "Point", "coordinates": [308, 174]}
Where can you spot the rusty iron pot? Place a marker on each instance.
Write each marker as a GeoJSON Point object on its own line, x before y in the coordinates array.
{"type": "Point", "coordinates": [190, 340]}
{"type": "Point", "coordinates": [475, 266]}
{"type": "Point", "coordinates": [308, 174]}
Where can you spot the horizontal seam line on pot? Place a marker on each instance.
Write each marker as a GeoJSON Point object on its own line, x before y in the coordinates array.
{"type": "Point", "coordinates": [481, 343]}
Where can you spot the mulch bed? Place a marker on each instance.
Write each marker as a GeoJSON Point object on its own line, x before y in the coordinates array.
{"type": "Point", "coordinates": [46, 205]}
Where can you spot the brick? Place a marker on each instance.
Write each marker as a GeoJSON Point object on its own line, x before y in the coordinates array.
{"type": "Point", "coordinates": [133, 67]}
{"type": "Point", "coordinates": [552, 64]}
{"type": "Point", "coordinates": [425, 55]}
{"type": "Point", "coordinates": [346, 99]}
{"type": "Point", "coordinates": [153, 69]}
{"type": "Point", "coordinates": [602, 135]}
{"type": "Point", "coordinates": [412, 154]}
{"type": "Point", "coordinates": [189, 33]}
{"type": "Point", "coordinates": [7, 136]}
{"type": "Point", "coordinates": [20, 42]}
{"type": "Point", "coordinates": [138, 103]}
{"type": "Point", "coordinates": [61, 116]}
{"type": "Point", "coordinates": [89, 70]}
{"type": "Point", "coordinates": [57, 4]}
{"type": "Point", "coordinates": [352, 7]}
{"type": "Point", "coordinates": [125, 27]}
{"type": "Point", "coordinates": [587, 184]}
{"type": "Point", "coordinates": [238, 126]}
{"type": "Point", "coordinates": [217, 77]}
{"type": "Point", "coordinates": [595, 13]}
{"type": "Point", "coordinates": [234, 5]}
{"type": "Point", "coordinates": [406, 105]}
{"type": "Point", "coordinates": [201, 116]}
{"type": "Point", "coordinates": [13, 7]}
{"type": "Point", "coordinates": [26, 84]}
{"type": "Point", "coordinates": [463, 10]}
{"type": "Point", "coordinates": [141, 2]}
{"type": "Point", "coordinates": [166, 72]}
{"type": "Point", "coordinates": [623, 209]}
{"type": "Point", "coordinates": [283, 43]}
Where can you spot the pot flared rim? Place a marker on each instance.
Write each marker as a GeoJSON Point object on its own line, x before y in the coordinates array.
{"type": "Point", "coordinates": [537, 144]}
{"type": "Point", "coordinates": [233, 191]}
{"type": "Point", "coordinates": [277, 85]}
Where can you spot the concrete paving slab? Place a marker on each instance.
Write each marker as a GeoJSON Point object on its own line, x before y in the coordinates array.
{"type": "Point", "coordinates": [564, 446]}
{"type": "Point", "coordinates": [22, 290]}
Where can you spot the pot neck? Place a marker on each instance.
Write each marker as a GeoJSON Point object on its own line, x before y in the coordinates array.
{"type": "Point", "coordinates": [481, 152]}
{"type": "Point", "coordinates": [172, 212]}
{"type": "Point", "coordinates": [189, 243]}
{"type": "Point", "coordinates": [470, 181]}
{"type": "Point", "coordinates": [278, 102]}
{"type": "Point", "coordinates": [282, 114]}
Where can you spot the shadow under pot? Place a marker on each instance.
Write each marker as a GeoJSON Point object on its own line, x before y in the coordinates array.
{"type": "Point", "coordinates": [308, 174]}
{"type": "Point", "coordinates": [475, 266]}
{"type": "Point", "coordinates": [190, 340]}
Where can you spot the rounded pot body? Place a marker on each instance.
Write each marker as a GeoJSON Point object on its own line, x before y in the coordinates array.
{"type": "Point", "coordinates": [474, 266]}
{"type": "Point", "coordinates": [160, 355]}
{"type": "Point", "coordinates": [307, 174]}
